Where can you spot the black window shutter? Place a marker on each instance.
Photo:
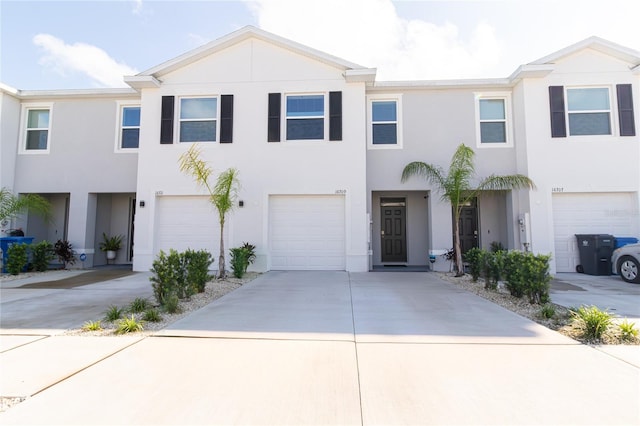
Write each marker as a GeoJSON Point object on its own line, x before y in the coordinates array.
{"type": "Point", "coordinates": [556, 106]}
{"type": "Point", "coordinates": [226, 118]}
{"type": "Point", "coordinates": [274, 117]}
{"type": "Point", "coordinates": [625, 110]}
{"type": "Point", "coordinates": [335, 116]}
{"type": "Point", "coordinates": [166, 120]}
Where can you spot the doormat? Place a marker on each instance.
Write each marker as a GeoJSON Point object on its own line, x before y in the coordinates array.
{"type": "Point", "coordinates": [91, 277]}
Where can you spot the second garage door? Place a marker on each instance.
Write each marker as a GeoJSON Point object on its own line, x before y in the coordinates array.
{"type": "Point", "coordinates": [590, 213]}
{"type": "Point", "coordinates": [186, 222]}
{"type": "Point", "coordinates": [307, 232]}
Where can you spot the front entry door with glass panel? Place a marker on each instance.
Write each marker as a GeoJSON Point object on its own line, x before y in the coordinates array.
{"type": "Point", "coordinates": [468, 226]}
{"type": "Point", "coordinates": [393, 235]}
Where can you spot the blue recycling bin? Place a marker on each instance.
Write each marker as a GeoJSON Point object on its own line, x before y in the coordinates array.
{"type": "Point", "coordinates": [6, 242]}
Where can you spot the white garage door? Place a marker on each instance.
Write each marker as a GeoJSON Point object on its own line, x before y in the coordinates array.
{"type": "Point", "coordinates": [184, 222]}
{"type": "Point", "coordinates": [307, 232]}
{"type": "Point", "coordinates": [590, 213]}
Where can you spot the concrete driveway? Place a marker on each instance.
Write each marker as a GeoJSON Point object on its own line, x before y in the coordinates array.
{"type": "Point", "coordinates": [49, 311]}
{"type": "Point", "coordinates": [327, 348]}
{"type": "Point", "coordinates": [604, 291]}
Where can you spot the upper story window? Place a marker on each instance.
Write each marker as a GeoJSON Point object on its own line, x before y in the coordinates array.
{"type": "Point", "coordinates": [384, 122]}
{"type": "Point", "coordinates": [37, 129]}
{"type": "Point", "coordinates": [493, 121]}
{"type": "Point", "coordinates": [589, 111]}
{"type": "Point", "coordinates": [493, 127]}
{"type": "Point", "coordinates": [198, 119]}
{"type": "Point", "coordinates": [305, 117]}
{"type": "Point", "coordinates": [129, 132]}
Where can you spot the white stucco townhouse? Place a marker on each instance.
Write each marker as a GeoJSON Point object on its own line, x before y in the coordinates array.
{"type": "Point", "coordinates": [320, 146]}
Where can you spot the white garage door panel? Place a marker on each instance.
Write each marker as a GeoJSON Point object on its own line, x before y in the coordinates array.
{"type": "Point", "coordinates": [590, 213]}
{"type": "Point", "coordinates": [307, 232]}
{"type": "Point", "coordinates": [189, 222]}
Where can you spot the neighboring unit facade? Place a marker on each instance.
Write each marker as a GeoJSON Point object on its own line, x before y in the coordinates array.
{"type": "Point", "coordinates": [320, 147]}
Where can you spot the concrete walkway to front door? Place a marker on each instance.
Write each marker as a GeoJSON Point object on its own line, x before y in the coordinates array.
{"type": "Point", "coordinates": [339, 348]}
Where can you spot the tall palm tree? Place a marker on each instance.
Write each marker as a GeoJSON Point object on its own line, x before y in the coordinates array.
{"type": "Point", "coordinates": [12, 205]}
{"type": "Point", "coordinates": [222, 194]}
{"type": "Point", "coordinates": [457, 187]}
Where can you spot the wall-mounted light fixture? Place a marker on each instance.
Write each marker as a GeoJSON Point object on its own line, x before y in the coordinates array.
{"type": "Point", "coordinates": [142, 203]}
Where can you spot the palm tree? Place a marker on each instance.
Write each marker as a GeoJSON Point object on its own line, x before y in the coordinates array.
{"type": "Point", "coordinates": [12, 205]}
{"type": "Point", "coordinates": [222, 195]}
{"type": "Point", "coordinates": [457, 187]}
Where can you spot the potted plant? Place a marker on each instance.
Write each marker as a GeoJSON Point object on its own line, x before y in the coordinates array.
{"type": "Point", "coordinates": [111, 245]}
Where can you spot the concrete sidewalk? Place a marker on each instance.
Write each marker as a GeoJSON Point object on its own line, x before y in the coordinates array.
{"type": "Point", "coordinates": [325, 348]}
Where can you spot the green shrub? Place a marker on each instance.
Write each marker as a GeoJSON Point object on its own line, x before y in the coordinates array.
{"type": "Point", "coordinates": [527, 274]}
{"type": "Point", "coordinates": [92, 326]}
{"type": "Point", "coordinates": [129, 325]}
{"type": "Point", "coordinates": [41, 255]}
{"type": "Point", "coordinates": [172, 304]}
{"type": "Point", "coordinates": [17, 258]}
{"type": "Point", "coordinates": [169, 277]}
{"type": "Point", "coordinates": [152, 315]}
{"type": "Point", "coordinates": [473, 257]}
{"type": "Point", "coordinates": [592, 321]}
{"type": "Point", "coordinates": [627, 330]}
{"type": "Point", "coordinates": [241, 258]}
{"type": "Point", "coordinates": [113, 313]}
{"type": "Point", "coordinates": [197, 268]}
{"type": "Point", "coordinates": [514, 275]}
{"type": "Point", "coordinates": [496, 266]}
{"type": "Point", "coordinates": [138, 305]}
{"type": "Point", "coordinates": [547, 311]}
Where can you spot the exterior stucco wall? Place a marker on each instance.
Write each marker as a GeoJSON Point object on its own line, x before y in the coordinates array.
{"type": "Point", "coordinates": [82, 161]}
{"type": "Point", "coordinates": [434, 123]}
{"type": "Point", "coordinates": [250, 71]}
{"type": "Point", "coordinates": [9, 130]}
{"type": "Point", "coordinates": [577, 164]}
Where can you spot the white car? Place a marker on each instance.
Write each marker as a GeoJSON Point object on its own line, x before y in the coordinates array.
{"type": "Point", "coordinates": [625, 261]}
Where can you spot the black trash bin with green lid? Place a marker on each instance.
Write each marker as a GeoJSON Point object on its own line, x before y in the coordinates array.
{"type": "Point", "coordinates": [595, 253]}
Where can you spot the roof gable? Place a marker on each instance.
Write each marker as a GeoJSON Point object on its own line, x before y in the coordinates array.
{"type": "Point", "coordinates": [598, 44]}
{"type": "Point", "coordinates": [150, 77]}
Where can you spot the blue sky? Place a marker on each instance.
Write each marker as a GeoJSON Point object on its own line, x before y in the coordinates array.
{"type": "Point", "coordinates": [87, 44]}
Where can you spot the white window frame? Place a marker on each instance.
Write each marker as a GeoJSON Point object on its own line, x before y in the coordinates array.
{"type": "Point", "coordinates": [24, 120]}
{"type": "Point", "coordinates": [611, 111]}
{"type": "Point", "coordinates": [121, 105]}
{"type": "Point", "coordinates": [506, 97]}
{"type": "Point", "coordinates": [381, 98]}
{"type": "Point", "coordinates": [179, 120]}
{"type": "Point", "coordinates": [325, 117]}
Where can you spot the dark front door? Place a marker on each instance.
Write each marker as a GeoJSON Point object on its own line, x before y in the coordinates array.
{"type": "Point", "coordinates": [393, 235]}
{"type": "Point", "coordinates": [469, 227]}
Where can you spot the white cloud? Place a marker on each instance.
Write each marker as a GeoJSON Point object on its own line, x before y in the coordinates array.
{"type": "Point", "coordinates": [137, 7]}
{"type": "Point", "coordinates": [371, 33]}
{"type": "Point", "coordinates": [82, 58]}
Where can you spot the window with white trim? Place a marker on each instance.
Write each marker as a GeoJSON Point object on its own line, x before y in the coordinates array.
{"type": "Point", "coordinates": [384, 130]}
{"type": "Point", "coordinates": [129, 129]}
{"type": "Point", "coordinates": [37, 127]}
{"type": "Point", "coordinates": [198, 119]}
{"type": "Point", "coordinates": [589, 111]}
{"type": "Point", "coordinates": [305, 117]}
{"type": "Point", "coordinates": [493, 127]}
